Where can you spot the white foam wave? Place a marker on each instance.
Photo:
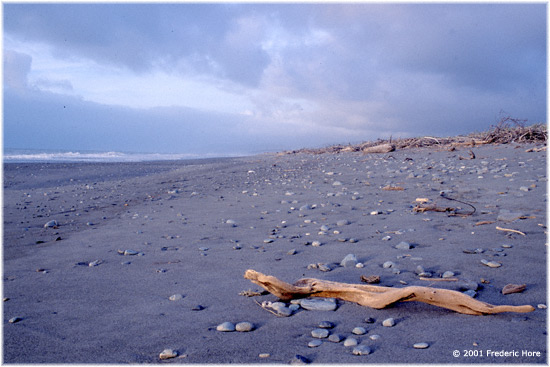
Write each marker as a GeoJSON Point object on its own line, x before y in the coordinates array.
{"type": "Point", "coordinates": [94, 157]}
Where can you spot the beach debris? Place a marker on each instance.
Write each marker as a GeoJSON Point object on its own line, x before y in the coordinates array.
{"type": "Point", "coordinates": [510, 230]}
{"type": "Point", "coordinates": [226, 327]}
{"type": "Point", "coordinates": [371, 279]}
{"type": "Point", "coordinates": [472, 156]}
{"type": "Point", "coordinates": [362, 350]}
{"type": "Point", "coordinates": [176, 297]}
{"type": "Point", "coordinates": [420, 345]}
{"type": "Point", "coordinates": [447, 279]}
{"type": "Point", "coordinates": [251, 293]}
{"type": "Point", "coordinates": [381, 148]}
{"type": "Point", "coordinates": [542, 306]}
{"type": "Point", "coordinates": [378, 296]}
{"type": "Point", "coordinates": [277, 308]}
{"type": "Point", "coordinates": [483, 222]}
{"type": "Point", "coordinates": [388, 322]}
{"type": "Point", "coordinates": [168, 353]}
{"type": "Point", "coordinates": [392, 188]}
{"type": "Point", "coordinates": [513, 288]}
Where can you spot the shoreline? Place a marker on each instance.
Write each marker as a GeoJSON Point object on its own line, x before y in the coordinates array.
{"type": "Point", "coordinates": [199, 226]}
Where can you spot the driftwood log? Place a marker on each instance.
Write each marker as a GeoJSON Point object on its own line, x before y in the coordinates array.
{"type": "Point", "coordinates": [378, 296]}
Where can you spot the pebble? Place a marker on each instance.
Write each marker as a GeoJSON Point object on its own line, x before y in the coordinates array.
{"type": "Point", "coordinates": [349, 261]}
{"type": "Point", "coordinates": [197, 308]}
{"type": "Point", "coordinates": [268, 240]}
{"type": "Point", "coordinates": [465, 285]}
{"type": "Point", "coordinates": [168, 353]}
{"type": "Point", "coordinates": [95, 263]}
{"type": "Point", "coordinates": [292, 252]}
{"type": "Point", "coordinates": [471, 293]}
{"type": "Point", "coordinates": [324, 267]}
{"type": "Point", "coordinates": [362, 350]}
{"type": "Point", "coordinates": [244, 326]}
{"type": "Point", "coordinates": [389, 264]}
{"type": "Point", "coordinates": [314, 343]}
{"type": "Point", "coordinates": [232, 222]}
{"type": "Point", "coordinates": [359, 330]}
{"type": "Point", "coordinates": [324, 228]}
{"type": "Point", "coordinates": [448, 274]}
{"type": "Point", "coordinates": [370, 320]}
{"type": "Point", "coordinates": [326, 325]}
{"type": "Point", "coordinates": [176, 297]}
{"type": "Point", "coordinates": [130, 252]}
{"type": "Point", "coordinates": [51, 224]}
{"type": "Point", "coordinates": [316, 243]}
{"type": "Point", "coordinates": [491, 264]}
{"type": "Point", "coordinates": [226, 326]}
{"type": "Point", "coordinates": [421, 345]}
{"type": "Point", "coordinates": [15, 319]}
{"type": "Point", "coordinates": [350, 342]}
{"type": "Point", "coordinates": [542, 306]}
{"type": "Point", "coordinates": [403, 246]}
{"type": "Point", "coordinates": [264, 355]}
{"type": "Point", "coordinates": [343, 222]}
{"type": "Point", "coordinates": [507, 246]}
{"type": "Point", "coordinates": [281, 309]}
{"type": "Point", "coordinates": [327, 304]}
{"type": "Point", "coordinates": [374, 337]}
{"type": "Point", "coordinates": [298, 359]}
{"type": "Point", "coordinates": [335, 338]}
{"type": "Point", "coordinates": [320, 333]}
{"type": "Point", "coordinates": [389, 322]}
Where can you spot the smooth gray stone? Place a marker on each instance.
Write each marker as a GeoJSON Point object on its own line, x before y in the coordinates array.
{"type": "Point", "coordinates": [226, 326]}
{"type": "Point", "coordinates": [362, 350]}
{"type": "Point", "coordinates": [326, 325]}
{"type": "Point", "coordinates": [320, 333]}
{"type": "Point", "coordinates": [359, 330]}
{"type": "Point", "coordinates": [318, 304]}
{"type": "Point", "coordinates": [244, 326]}
{"type": "Point", "coordinates": [335, 338]}
{"type": "Point", "coordinates": [403, 246]}
{"type": "Point", "coordinates": [314, 343]}
{"type": "Point", "coordinates": [349, 261]}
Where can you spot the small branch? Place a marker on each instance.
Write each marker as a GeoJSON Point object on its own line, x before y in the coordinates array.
{"type": "Point", "coordinates": [510, 230]}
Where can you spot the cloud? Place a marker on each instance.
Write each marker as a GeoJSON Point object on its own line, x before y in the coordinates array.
{"type": "Point", "coordinates": [16, 69]}
{"type": "Point", "coordinates": [281, 73]}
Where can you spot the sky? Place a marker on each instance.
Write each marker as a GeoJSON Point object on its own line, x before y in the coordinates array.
{"type": "Point", "coordinates": [229, 78]}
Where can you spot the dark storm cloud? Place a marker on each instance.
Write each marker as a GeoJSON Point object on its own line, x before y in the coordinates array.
{"type": "Point", "coordinates": [312, 71]}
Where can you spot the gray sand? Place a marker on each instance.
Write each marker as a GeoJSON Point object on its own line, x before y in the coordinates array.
{"type": "Point", "coordinates": [174, 214]}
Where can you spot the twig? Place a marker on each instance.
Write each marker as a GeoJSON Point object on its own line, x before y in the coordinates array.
{"type": "Point", "coordinates": [510, 230]}
{"type": "Point", "coordinates": [439, 279]}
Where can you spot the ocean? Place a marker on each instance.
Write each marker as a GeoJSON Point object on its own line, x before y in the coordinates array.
{"type": "Point", "coordinates": [59, 156]}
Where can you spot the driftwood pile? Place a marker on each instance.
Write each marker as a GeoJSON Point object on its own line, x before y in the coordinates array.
{"type": "Point", "coordinates": [507, 130]}
{"type": "Point", "coordinates": [378, 296]}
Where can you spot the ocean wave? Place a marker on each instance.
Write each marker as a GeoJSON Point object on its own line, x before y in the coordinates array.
{"type": "Point", "coordinates": [45, 157]}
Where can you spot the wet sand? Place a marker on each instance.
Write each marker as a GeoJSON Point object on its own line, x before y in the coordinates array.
{"type": "Point", "coordinates": [174, 216]}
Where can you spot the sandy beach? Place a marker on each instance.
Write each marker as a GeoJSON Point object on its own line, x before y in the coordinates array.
{"type": "Point", "coordinates": [95, 286]}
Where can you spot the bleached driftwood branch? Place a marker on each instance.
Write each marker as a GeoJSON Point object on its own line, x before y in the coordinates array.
{"type": "Point", "coordinates": [378, 296]}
